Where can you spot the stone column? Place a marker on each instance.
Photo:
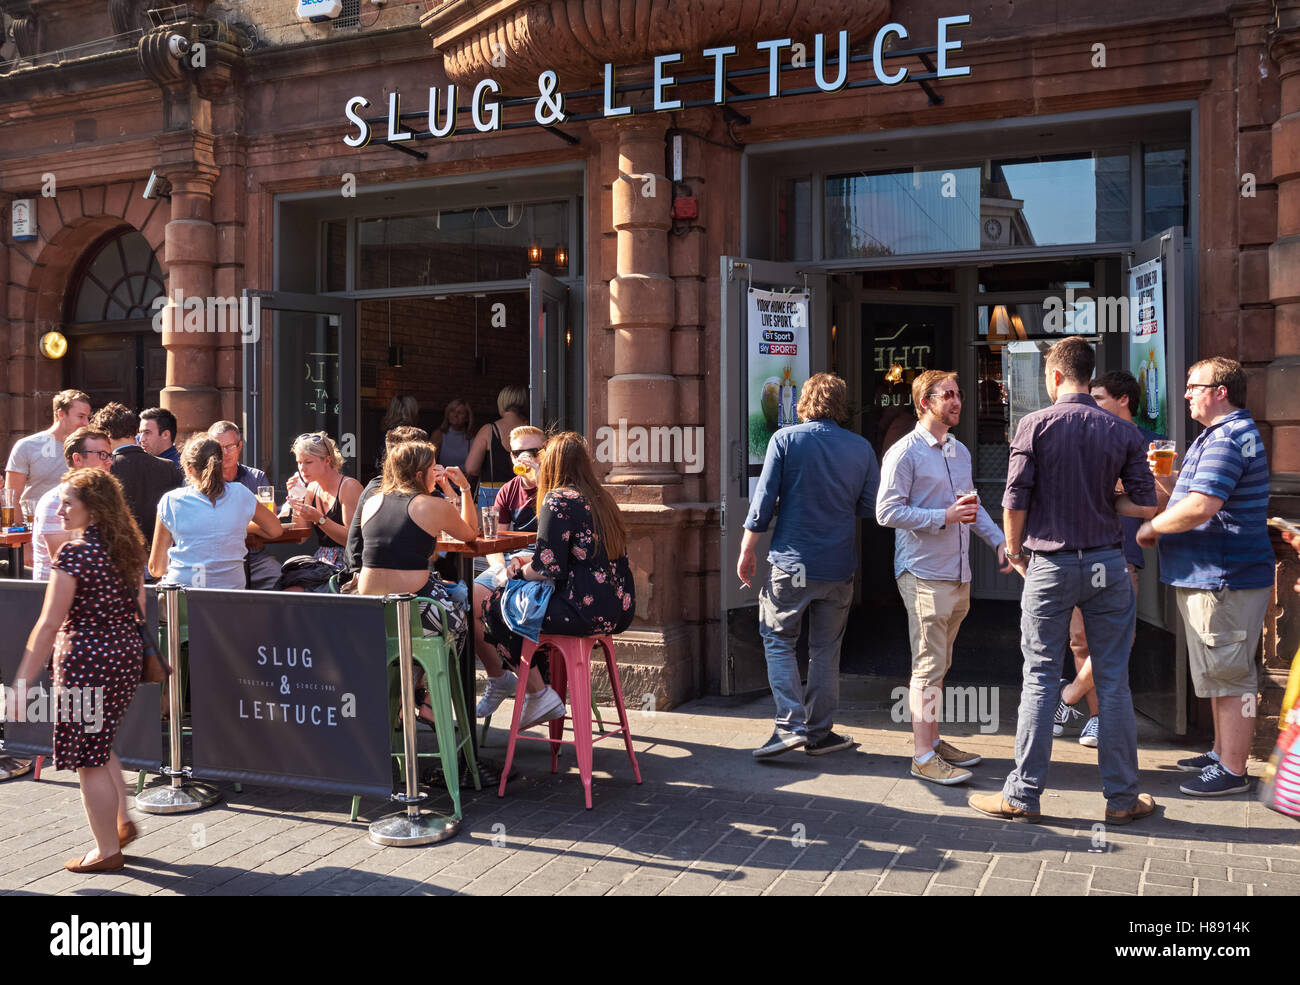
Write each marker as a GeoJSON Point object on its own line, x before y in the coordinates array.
{"type": "Point", "coordinates": [643, 390]}
{"type": "Point", "coordinates": [191, 252]}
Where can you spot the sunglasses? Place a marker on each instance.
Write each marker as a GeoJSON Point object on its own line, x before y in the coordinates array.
{"type": "Point", "coordinates": [947, 394]}
{"type": "Point", "coordinates": [521, 452]}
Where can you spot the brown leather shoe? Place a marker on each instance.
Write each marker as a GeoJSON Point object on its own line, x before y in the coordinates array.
{"type": "Point", "coordinates": [1145, 807]}
{"type": "Point", "coordinates": [126, 833]}
{"type": "Point", "coordinates": [110, 864]}
{"type": "Point", "coordinates": [994, 805]}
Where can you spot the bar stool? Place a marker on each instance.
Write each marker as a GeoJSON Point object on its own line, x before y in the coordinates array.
{"type": "Point", "coordinates": [573, 669]}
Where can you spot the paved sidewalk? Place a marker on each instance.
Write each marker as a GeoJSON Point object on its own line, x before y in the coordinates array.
{"type": "Point", "coordinates": [708, 819]}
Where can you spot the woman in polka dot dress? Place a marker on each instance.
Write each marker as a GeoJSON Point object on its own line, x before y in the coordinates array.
{"type": "Point", "coordinates": [88, 621]}
{"type": "Point", "coordinates": [582, 547]}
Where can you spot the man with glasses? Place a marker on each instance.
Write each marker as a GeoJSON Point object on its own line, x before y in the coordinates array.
{"type": "Point", "coordinates": [1061, 517]}
{"type": "Point", "coordinates": [516, 505]}
{"type": "Point", "coordinates": [263, 570]}
{"type": "Point", "coordinates": [84, 448]}
{"type": "Point", "coordinates": [925, 479]}
{"type": "Point", "coordinates": [1214, 549]}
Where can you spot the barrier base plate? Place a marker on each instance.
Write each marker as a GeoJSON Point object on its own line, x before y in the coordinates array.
{"type": "Point", "coordinates": [12, 766]}
{"type": "Point", "coordinates": [401, 829]}
{"type": "Point", "coordinates": [166, 799]}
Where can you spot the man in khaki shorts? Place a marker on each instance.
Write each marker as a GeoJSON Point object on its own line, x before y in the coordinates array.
{"type": "Point", "coordinates": [922, 479]}
{"type": "Point", "coordinates": [1214, 549]}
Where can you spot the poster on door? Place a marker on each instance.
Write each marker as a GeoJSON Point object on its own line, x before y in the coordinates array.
{"type": "Point", "coordinates": [1146, 345]}
{"type": "Point", "coordinates": [778, 365]}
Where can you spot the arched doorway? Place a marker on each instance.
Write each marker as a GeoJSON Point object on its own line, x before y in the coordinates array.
{"type": "Point", "coordinates": [114, 353]}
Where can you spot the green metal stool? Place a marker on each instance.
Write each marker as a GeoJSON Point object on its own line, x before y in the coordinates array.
{"type": "Point", "coordinates": [437, 657]}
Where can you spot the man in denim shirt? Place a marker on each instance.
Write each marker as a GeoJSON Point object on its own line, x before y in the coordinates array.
{"type": "Point", "coordinates": [923, 478]}
{"type": "Point", "coordinates": [824, 478]}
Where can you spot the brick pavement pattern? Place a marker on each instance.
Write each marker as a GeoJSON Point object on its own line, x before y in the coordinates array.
{"type": "Point", "coordinates": [708, 820]}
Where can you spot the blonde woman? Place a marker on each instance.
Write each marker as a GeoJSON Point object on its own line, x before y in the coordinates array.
{"type": "Point", "coordinates": [453, 435]}
{"type": "Point", "coordinates": [489, 447]}
{"type": "Point", "coordinates": [328, 504]}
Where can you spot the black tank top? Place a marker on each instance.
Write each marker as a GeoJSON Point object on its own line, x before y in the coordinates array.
{"type": "Point", "coordinates": [335, 513]}
{"type": "Point", "coordinates": [391, 539]}
{"type": "Point", "coordinates": [501, 468]}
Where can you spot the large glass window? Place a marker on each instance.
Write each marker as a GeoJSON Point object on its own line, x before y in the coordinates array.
{"type": "Point", "coordinates": [500, 242]}
{"type": "Point", "coordinates": [999, 204]}
{"type": "Point", "coordinates": [1164, 182]}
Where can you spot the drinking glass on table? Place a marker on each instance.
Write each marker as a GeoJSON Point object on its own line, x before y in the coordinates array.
{"type": "Point", "coordinates": [28, 507]}
{"type": "Point", "coordinates": [266, 496]}
{"type": "Point", "coordinates": [971, 494]}
{"type": "Point", "coordinates": [488, 524]}
{"type": "Point", "coordinates": [8, 506]}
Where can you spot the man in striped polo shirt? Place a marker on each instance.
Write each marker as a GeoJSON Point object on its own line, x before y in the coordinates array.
{"type": "Point", "coordinates": [1214, 549]}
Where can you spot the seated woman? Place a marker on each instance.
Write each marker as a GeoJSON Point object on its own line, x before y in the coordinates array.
{"type": "Point", "coordinates": [400, 525]}
{"type": "Point", "coordinates": [199, 535]}
{"type": "Point", "coordinates": [582, 548]}
{"type": "Point", "coordinates": [329, 502]}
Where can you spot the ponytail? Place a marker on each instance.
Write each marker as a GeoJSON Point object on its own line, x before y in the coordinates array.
{"type": "Point", "coordinates": [203, 457]}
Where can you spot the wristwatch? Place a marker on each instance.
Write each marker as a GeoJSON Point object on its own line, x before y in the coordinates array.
{"type": "Point", "coordinates": [1014, 557]}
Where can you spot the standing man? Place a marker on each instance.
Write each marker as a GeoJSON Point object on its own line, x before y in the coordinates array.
{"type": "Point", "coordinates": [263, 570]}
{"type": "Point", "coordinates": [36, 461]}
{"type": "Point", "coordinates": [1118, 393]}
{"type": "Point", "coordinates": [1214, 549]}
{"type": "Point", "coordinates": [157, 434]}
{"type": "Point", "coordinates": [84, 448]}
{"type": "Point", "coordinates": [922, 479]}
{"type": "Point", "coordinates": [144, 478]}
{"type": "Point", "coordinates": [1061, 516]}
{"type": "Point", "coordinates": [824, 477]}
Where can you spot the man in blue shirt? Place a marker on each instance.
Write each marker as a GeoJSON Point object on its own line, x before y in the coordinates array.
{"type": "Point", "coordinates": [1214, 549]}
{"type": "Point", "coordinates": [824, 478]}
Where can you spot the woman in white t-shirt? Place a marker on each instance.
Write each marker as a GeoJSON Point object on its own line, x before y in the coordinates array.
{"type": "Point", "coordinates": [199, 535]}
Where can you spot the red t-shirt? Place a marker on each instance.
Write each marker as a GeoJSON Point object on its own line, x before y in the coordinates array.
{"type": "Point", "coordinates": [516, 505]}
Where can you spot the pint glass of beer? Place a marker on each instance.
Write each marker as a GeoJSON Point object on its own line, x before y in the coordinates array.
{"type": "Point", "coordinates": [1162, 455]}
{"type": "Point", "coordinates": [8, 506]}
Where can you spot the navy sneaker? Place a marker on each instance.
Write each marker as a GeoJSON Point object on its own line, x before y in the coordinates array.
{"type": "Point", "coordinates": [1197, 763]}
{"type": "Point", "coordinates": [830, 742]}
{"type": "Point", "coordinates": [1215, 781]}
{"type": "Point", "coordinates": [781, 741]}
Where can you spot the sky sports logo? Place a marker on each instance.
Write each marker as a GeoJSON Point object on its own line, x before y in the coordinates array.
{"type": "Point", "coordinates": [102, 939]}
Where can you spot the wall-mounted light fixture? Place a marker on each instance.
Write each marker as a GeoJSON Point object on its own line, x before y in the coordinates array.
{"type": "Point", "coordinates": [561, 257]}
{"type": "Point", "coordinates": [54, 345]}
{"type": "Point", "coordinates": [534, 255]}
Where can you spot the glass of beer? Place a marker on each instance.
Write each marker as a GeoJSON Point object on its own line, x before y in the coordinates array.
{"type": "Point", "coordinates": [28, 507]}
{"type": "Point", "coordinates": [8, 506]}
{"type": "Point", "coordinates": [1162, 454]}
{"type": "Point", "coordinates": [972, 494]}
{"type": "Point", "coordinates": [266, 496]}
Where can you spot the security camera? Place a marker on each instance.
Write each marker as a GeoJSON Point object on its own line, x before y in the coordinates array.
{"type": "Point", "coordinates": [178, 45]}
{"type": "Point", "coordinates": [157, 187]}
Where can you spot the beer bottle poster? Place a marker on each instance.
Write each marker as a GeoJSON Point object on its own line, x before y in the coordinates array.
{"type": "Point", "coordinates": [1147, 359]}
{"type": "Point", "coordinates": [778, 363]}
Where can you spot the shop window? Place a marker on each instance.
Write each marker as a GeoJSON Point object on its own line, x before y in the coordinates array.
{"type": "Point", "coordinates": [464, 246]}
{"type": "Point", "coordinates": [902, 212]}
{"type": "Point", "coordinates": [120, 281]}
{"type": "Point", "coordinates": [1049, 277]}
{"type": "Point", "coordinates": [1044, 201]}
{"type": "Point", "coordinates": [1164, 187]}
{"type": "Point", "coordinates": [794, 219]}
{"type": "Point", "coordinates": [336, 255]}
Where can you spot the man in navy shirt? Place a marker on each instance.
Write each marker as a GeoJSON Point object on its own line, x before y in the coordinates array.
{"type": "Point", "coordinates": [1214, 549]}
{"type": "Point", "coordinates": [824, 477]}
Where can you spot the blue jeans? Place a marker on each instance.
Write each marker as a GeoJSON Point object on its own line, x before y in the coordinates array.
{"type": "Point", "coordinates": [1098, 583]}
{"type": "Point", "coordinates": [781, 606]}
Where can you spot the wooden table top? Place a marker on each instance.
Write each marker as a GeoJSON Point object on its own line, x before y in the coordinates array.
{"type": "Point", "coordinates": [294, 533]}
{"type": "Point", "coordinates": [16, 540]}
{"type": "Point", "coordinates": [505, 540]}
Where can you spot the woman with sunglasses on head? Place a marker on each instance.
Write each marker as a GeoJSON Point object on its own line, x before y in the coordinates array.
{"type": "Point", "coordinates": [329, 501]}
{"type": "Point", "coordinates": [89, 623]}
{"type": "Point", "coordinates": [582, 549]}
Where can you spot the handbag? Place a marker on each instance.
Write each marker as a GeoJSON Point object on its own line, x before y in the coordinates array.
{"type": "Point", "coordinates": [153, 668]}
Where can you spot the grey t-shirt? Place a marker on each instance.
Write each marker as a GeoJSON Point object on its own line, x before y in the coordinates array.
{"type": "Point", "coordinates": [39, 457]}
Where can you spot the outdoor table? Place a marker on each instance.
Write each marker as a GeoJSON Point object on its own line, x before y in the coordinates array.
{"type": "Point", "coordinates": [504, 542]}
{"type": "Point", "coordinates": [294, 533]}
{"type": "Point", "coordinates": [13, 544]}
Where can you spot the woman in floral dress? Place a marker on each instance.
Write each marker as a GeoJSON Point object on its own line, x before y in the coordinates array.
{"type": "Point", "coordinates": [88, 621]}
{"type": "Point", "coordinates": [582, 548]}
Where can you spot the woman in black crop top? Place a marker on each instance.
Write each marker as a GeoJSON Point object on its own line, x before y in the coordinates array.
{"type": "Point", "coordinates": [400, 525]}
{"type": "Point", "coordinates": [488, 458]}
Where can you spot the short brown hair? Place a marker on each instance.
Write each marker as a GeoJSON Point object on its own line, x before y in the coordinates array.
{"type": "Point", "coordinates": [824, 396]}
{"type": "Point", "coordinates": [1228, 374]}
{"type": "Point", "coordinates": [75, 443]}
{"type": "Point", "coordinates": [923, 384]}
{"type": "Point", "coordinates": [1073, 358]}
{"type": "Point", "coordinates": [403, 432]}
{"type": "Point", "coordinates": [66, 398]}
{"type": "Point", "coordinates": [1120, 384]}
{"type": "Point", "coordinates": [117, 419]}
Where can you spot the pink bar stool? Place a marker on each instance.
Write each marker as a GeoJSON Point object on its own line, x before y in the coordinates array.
{"type": "Point", "coordinates": [575, 670]}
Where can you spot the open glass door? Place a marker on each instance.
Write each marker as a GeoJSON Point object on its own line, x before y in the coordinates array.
{"type": "Point", "coordinates": [1156, 353]}
{"type": "Point", "coordinates": [775, 335]}
{"type": "Point", "coordinates": [300, 375]}
{"type": "Point", "coordinates": [556, 357]}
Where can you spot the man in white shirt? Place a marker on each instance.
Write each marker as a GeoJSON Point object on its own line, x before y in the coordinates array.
{"type": "Point", "coordinates": [85, 448]}
{"type": "Point", "coordinates": [36, 461]}
{"type": "Point", "coordinates": [922, 479]}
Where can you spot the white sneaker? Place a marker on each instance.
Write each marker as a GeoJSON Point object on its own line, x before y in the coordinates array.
{"type": "Point", "coordinates": [497, 690]}
{"type": "Point", "coordinates": [543, 706]}
{"type": "Point", "coordinates": [1091, 732]}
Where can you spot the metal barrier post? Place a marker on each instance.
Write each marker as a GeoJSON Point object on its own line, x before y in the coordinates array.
{"type": "Point", "coordinates": [182, 794]}
{"type": "Point", "coordinates": [413, 827]}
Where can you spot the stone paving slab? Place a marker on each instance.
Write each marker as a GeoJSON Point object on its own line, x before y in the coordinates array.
{"type": "Point", "coordinates": [707, 820]}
